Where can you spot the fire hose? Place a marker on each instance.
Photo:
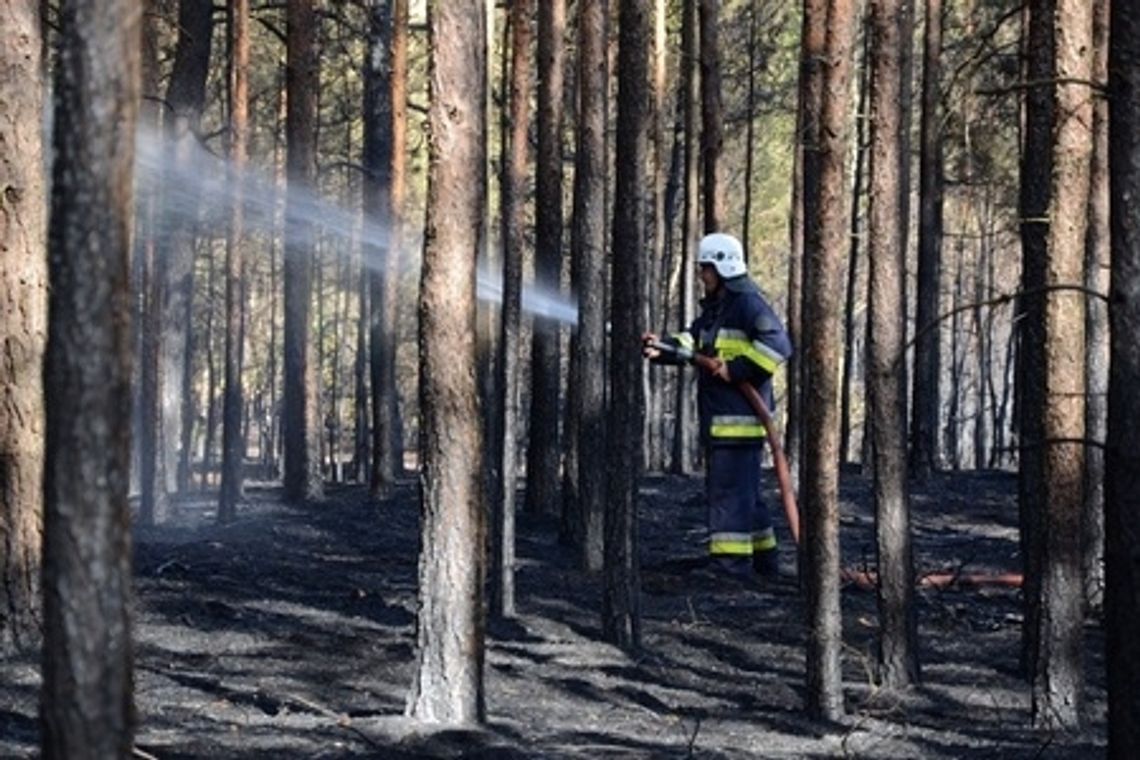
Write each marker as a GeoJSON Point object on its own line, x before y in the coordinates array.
{"type": "Point", "coordinates": [752, 396]}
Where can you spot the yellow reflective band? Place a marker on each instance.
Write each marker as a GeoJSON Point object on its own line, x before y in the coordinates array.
{"type": "Point", "coordinates": [763, 542]}
{"type": "Point", "coordinates": [737, 544]}
{"type": "Point", "coordinates": [729, 348]}
{"type": "Point", "coordinates": [736, 426]}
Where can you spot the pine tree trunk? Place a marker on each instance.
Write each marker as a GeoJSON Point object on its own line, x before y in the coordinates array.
{"type": "Point", "coordinates": [1058, 684]}
{"type": "Point", "coordinates": [233, 442]}
{"type": "Point", "coordinates": [826, 208]}
{"type": "Point", "coordinates": [23, 331]}
{"type": "Point", "coordinates": [685, 431]}
{"type": "Point", "coordinates": [543, 447]}
{"type": "Point", "coordinates": [621, 609]}
{"type": "Point", "coordinates": [385, 137]}
{"type": "Point", "coordinates": [514, 241]}
{"type": "Point", "coordinates": [927, 370]}
{"type": "Point", "coordinates": [86, 706]}
{"type": "Point", "coordinates": [1036, 170]}
{"type": "Point", "coordinates": [1097, 263]}
{"type": "Point", "coordinates": [712, 116]}
{"type": "Point", "coordinates": [301, 429]}
{"type": "Point", "coordinates": [1122, 460]}
{"type": "Point", "coordinates": [448, 686]}
{"type": "Point", "coordinates": [588, 259]}
{"type": "Point", "coordinates": [886, 373]}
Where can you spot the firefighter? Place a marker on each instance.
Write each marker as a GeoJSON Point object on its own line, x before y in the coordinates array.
{"type": "Point", "coordinates": [740, 331]}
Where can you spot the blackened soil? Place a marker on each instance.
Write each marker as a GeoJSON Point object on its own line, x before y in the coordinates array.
{"type": "Point", "coordinates": [290, 634]}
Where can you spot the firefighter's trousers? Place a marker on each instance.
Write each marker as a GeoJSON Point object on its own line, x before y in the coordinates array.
{"type": "Point", "coordinates": [741, 537]}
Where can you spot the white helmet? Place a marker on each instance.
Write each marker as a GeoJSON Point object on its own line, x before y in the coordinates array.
{"type": "Point", "coordinates": [724, 252]}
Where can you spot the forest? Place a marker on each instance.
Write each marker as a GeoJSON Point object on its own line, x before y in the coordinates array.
{"type": "Point", "coordinates": [327, 427]}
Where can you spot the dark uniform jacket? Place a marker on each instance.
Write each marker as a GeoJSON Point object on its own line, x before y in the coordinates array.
{"type": "Point", "coordinates": [739, 327]}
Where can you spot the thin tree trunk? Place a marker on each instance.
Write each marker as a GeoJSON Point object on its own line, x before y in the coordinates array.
{"type": "Point", "coordinates": [621, 609]}
{"type": "Point", "coordinates": [543, 448]}
{"type": "Point", "coordinates": [233, 442]}
{"type": "Point", "coordinates": [23, 331]}
{"type": "Point", "coordinates": [588, 246]}
{"type": "Point", "coordinates": [712, 116]}
{"type": "Point", "coordinates": [514, 241]}
{"type": "Point", "coordinates": [384, 191]}
{"type": "Point", "coordinates": [927, 371]}
{"type": "Point", "coordinates": [825, 210]}
{"type": "Point", "coordinates": [86, 706]}
{"type": "Point", "coordinates": [448, 687]}
{"type": "Point", "coordinates": [301, 430]}
{"type": "Point", "coordinates": [685, 431]}
{"type": "Point", "coordinates": [1036, 170]}
{"type": "Point", "coordinates": [1097, 263]}
{"type": "Point", "coordinates": [886, 391]}
{"type": "Point", "coordinates": [852, 279]}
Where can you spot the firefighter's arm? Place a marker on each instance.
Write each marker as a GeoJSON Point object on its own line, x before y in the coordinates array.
{"type": "Point", "coordinates": [769, 346]}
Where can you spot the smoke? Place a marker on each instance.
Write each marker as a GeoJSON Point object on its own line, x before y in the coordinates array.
{"type": "Point", "coordinates": [199, 190]}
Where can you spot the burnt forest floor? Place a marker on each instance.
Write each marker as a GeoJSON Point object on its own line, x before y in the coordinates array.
{"type": "Point", "coordinates": [290, 634]}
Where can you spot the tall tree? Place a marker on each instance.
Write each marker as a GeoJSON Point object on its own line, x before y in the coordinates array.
{"type": "Point", "coordinates": [886, 387]}
{"type": "Point", "coordinates": [86, 703]}
{"type": "Point", "coordinates": [685, 429]}
{"type": "Point", "coordinates": [385, 140]}
{"type": "Point", "coordinates": [927, 366]}
{"type": "Point", "coordinates": [1098, 255]}
{"type": "Point", "coordinates": [1058, 683]}
{"type": "Point", "coordinates": [543, 449]}
{"type": "Point", "coordinates": [1122, 456]}
{"type": "Point", "coordinates": [23, 331]}
{"type": "Point", "coordinates": [233, 438]}
{"type": "Point", "coordinates": [517, 158]}
{"type": "Point", "coordinates": [712, 116]}
{"type": "Point", "coordinates": [825, 244]}
{"type": "Point", "coordinates": [174, 270]}
{"type": "Point", "coordinates": [1036, 170]}
{"type": "Point", "coordinates": [621, 610]}
{"type": "Point", "coordinates": [804, 206]}
{"type": "Point", "coordinates": [301, 423]}
{"type": "Point", "coordinates": [588, 274]}
{"type": "Point", "coordinates": [448, 686]}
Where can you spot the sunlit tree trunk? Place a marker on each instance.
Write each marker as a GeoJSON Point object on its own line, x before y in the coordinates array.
{"type": "Point", "coordinates": [543, 449]}
{"type": "Point", "coordinates": [233, 441]}
{"type": "Point", "coordinates": [621, 608]}
{"type": "Point", "coordinates": [23, 330]}
{"type": "Point", "coordinates": [826, 208]}
{"type": "Point", "coordinates": [86, 706]}
{"type": "Point", "coordinates": [1058, 683]}
{"type": "Point", "coordinates": [301, 424]}
{"type": "Point", "coordinates": [685, 429]}
{"type": "Point", "coordinates": [448, 687]}
{"type": "Point", "coordinates": [886, 373]}
{"type": "Point", "coordinates": [1122, 460]}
